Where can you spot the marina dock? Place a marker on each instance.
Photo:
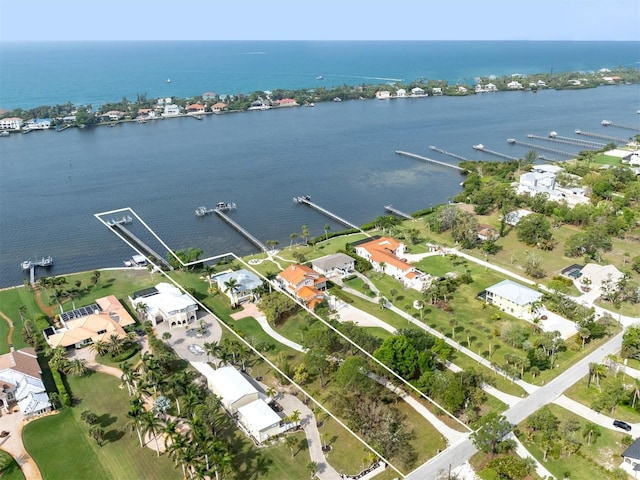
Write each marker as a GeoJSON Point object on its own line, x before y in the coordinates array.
{"type": "Point", "coordinates": [306, 200]}
{"type": "Point", "coordinates": [449, 154]}
{"type": "Point", "coordinates": [143, 246]}
{"type": "Point", "coordinates": [554, 137]}
{"type": "Point", "coordinates": [603, 137]}
{"type": "Point", "coordinates": [245, 233]}
{"type": "Point", "coordinates": [222, 206]}
{"type": "Point", "coordinates": [609, 123]}
{"type": "Point", "coordinates": [399, 213]}
{"type": "Point", "coordinates": [429, 160]}
{"type": "Point", "coordinates": [533, 146]}
{"type": "Point", "coordinates": [481, 148]}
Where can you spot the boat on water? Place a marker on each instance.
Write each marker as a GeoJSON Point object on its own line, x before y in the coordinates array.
{"type": "Point", "coordinates": [26, 265]}
{"type": "Point", "coordinates": [168, 80]}
{"type": "Point", "coordinates": [319, 77]}
{"type": "Point", "coordinates": [202, 211]}
{"type": "Point", "coordinates": [4, 133]}
{"type": "Point", "coordinates": [605, 123]}
{"type": "Point", "coordinates": [197, 117]}
{"type": "Point", "coordinates": [43, 262]}
{"type": "Point", "coordinates": [309, 104]}
{"type": "Point", "coordinates": [479, 146]}
{"type": "Point", "coordinates": [337, 99]}
{"type": "Point", "coordinates": [26, 130]}
{"type": "Point", "coordinates": [222, 206]}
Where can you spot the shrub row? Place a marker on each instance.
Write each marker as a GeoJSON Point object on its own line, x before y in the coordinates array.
{"type": "Point", "coordinates": [65, 396]}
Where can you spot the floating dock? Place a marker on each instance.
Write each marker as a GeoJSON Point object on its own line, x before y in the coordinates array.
{"type": "Point", "coordinates": [125, 220]}
{"type": "Point", "coordinates": [603, 137]}
{"type": "Point", "coordinates": [480, 147]}
{"type": "Point", "coordinates": [306, 200]}
{"type": "Point", "coordinates": [449, 154]}
{"type": "Point", "coordinates": [125, 231]}
{"type": "Point", "coordinates": [429, 160]}
{"type": "Point", "coordinates": [609, 123]}
{"type": "Point", "coordinates": [222, 206]}
{"type": "Point", "coordinates": [245, 233]}
{"type": "Point", "coordinates": [400, 213]}
{"type": "Point", "coordinates": [533, 146]}
{"type": "Point", "coordinates": [554, 137]}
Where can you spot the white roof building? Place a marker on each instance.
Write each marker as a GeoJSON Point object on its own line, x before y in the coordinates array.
{"type": "Point", "coordinates": [166, 303]}
{"type": "Point", "coordinates": [246, 282]}
{"type": "Point", "coordinates": [598, 274]}
{"type": "Point", "coordinates": [336, 264]}
{"type": "Point", "coordinates": [513, 298]}
{"type": "Point", "coordinates": [260, 421]}
{"type": "Point", "coordinates": [21, 382]}
{"type": "Point", "coordinates": [230, 385]}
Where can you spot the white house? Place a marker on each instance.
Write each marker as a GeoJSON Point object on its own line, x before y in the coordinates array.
{"type": "Point", "coordinates": [512, 218]}
{"type": "Point", "coordinates": [631, 458]}
{"type": "Point", "coordinates": [513, 298]}
{"type": "Point", "coordinates": [436, 91]}
{"type": "Point", "coordinates": [514, 85]}
{"type": "Point", "coordinates": [231, 386]}
{"type": "Point", "coordinates": [171, 109]}
{"type": "Point", "coordinates": [462, 89]}
{"type": "Point", "coordinates": [21, 383]}
{"type": "Point", "coordinates": [383, 94]}
{"type": "Point", "coordinates": [245, 283]}
{"type": "Point", "coordinates": [11, 123]}
{"type": "Point", "coordinates": [260, 421]}
{"type": "Point", "coordinates": [418, 92]}
{"type": "Point", "coordinates": [401, 93]}
{"type": "Point", "coordinates": [38, 124]}
{"type": "Point", "coordinates": [337, 264]}
{"type": "Point", "coordinates": [166, 303]}
{"type": "Point", "coordinates": [490, 87]}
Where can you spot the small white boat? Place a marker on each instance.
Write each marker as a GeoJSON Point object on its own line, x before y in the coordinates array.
{"type": "Point", "coordinates": [4, 133]}
{"type": "Point", "coordinates": [319, 77]}
{"type": "Point", "coordinates": [26, 265]}
{"type": "Point", "coordinates": [479, 146]}
{"type": "Point", "coordinates": [605, 123]}
{"type": "Point", "coordinates": [309, 104]}
{"type": "Point", "coordinates": [168, 80]}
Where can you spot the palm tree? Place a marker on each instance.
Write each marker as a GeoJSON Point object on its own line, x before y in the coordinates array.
{"type": "Point", "coordinates": [209, 270]}
{"type": "Point", "coordinates": [292, 237]}
{"type": "Point", "coordinates": [135, 413]}
{"type": "Point", "coordinates": [142, 309]}
{"type": "Point", "coordinates": [115, 344]}
{"type": "Point", "coordinates": [212, 349]}
{"type": "Point", "coordinates": [95, 278]}
{"type": "Point", "coordinates": [312, 468]}
{"type": "Point", "coordinates": [271, 393]}
{"type": "Point", "coordinates": [128, 377]}
{"type": "Point", "coordinates": [295, 417]}
{"type": "Point", "coordinates": [584, 334]}
{"type": "Point", "coordinates": [99, 347]}
{"type": "Point", "coordinates": [77, 367]}
{"type": "Point", "coordinates": [327, 227]}
{"type": "Point", "coordinates": [290, 442]}
{"type": "Point", "coordinates": [232, 287]}
{"type": "Point", "coordinates": [590, 431]}
{"type": "Point", "coordinates": [151, 425]}
{"type": "Point", "coordinates": [304, 234]}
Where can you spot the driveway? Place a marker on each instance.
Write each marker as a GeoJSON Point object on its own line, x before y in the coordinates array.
{"type": "Point", "coordinates": [13, 423]}
{"type": "Point", "coordinates": [187, 342]}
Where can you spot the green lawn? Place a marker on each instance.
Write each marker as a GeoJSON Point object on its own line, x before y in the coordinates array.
{"type": "Point", "coordinates": [12, 471]}
{"type": "Point", "coordinates": [119, 457]}
{"type": "Point", "coordinates": [586, 395]}
{"type": "Point", "coordinates": [604, 452]}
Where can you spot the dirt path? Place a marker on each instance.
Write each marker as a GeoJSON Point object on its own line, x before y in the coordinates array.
{"type": "Point", "coordinates": [10, 334]}
{"type": "Point", "coordinates": [47, 310]}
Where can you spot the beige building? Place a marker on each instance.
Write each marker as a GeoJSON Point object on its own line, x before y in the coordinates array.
{"type": "Point", "coordinates": [513, 298]}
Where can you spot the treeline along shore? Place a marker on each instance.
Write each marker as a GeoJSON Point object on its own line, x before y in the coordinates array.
{"type": "Point", "coordinates": [143, 108]}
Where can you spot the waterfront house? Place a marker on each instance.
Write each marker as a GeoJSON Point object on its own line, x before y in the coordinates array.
{"type": "Point", "coordinates": [245, 283]}
{"type": "Point", "coordinates": [436, 91]}
{"type": "Point", "coordinates": [514, 85]}
{"type": "Point", "coordinates": [541, 84]}
{"type": "Point", "coordinates": [165, 303]}
{"type": "Point", "coordinates": [38, 124]}
{"type": "Point", "coordinates": [401, 93]}
{"type": "Point", "coordinates": [383, 94]}
{"type": "Point", "coordinates": [490, 87]}
{"type": "Point", "coordinates": [513, 298]}
{"type": "Point", "coordinates": [338, 264]}
{"type": "Point", "coordinates": [112, 116]}
{"type": "Point", "coordinates": [146, 113]}
{"type": "Point", "coordinates": [195, 108]}
{"type": "Point", "coordinates": [384, 254]}
{"type": "Point", "coordinates": [304, 283]}
{"type": "Point", "coordinates": [218, 107]}
{"type": "Point", "coordinates": [479, 88]}
{"type": "Point", "coordinates": [11, 123]}
{"type": "Point", "coordinates": [171, 109]}
{"type": "Point", "coordinates": [462, 90]}
{"type": "Point", "coordinates": [21, 383]}
{"type": "Point", "coordinates": [286, 102]}
{"type": "Point", "coordinates": [89, 324]}
{"type": "Point", "coordinates": [417, 92]}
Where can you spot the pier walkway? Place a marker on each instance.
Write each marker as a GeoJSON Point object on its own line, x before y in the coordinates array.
{"type": "Point", "coordinates": [481, 148]}
{"type": "Point", "coordinates": [400, 213]}
{"type": "Point", "coordinates": [533, 146]}
{"type": "Point", "coordinates": [429, 160]}
{"type": "Point", "coordinates": [554, 137]}
{"type": "Point", "coordinates": [159, 258]}
{"type": "Point", "coordinates": [603, 137]}
{"type": "Point", "coordinates": [240, 229]}
{"type": "Point", "coordinates": [306, 200]}
{"type": "Point", "coordinates": [608, 123]}
{"type": "Point", "coordinates": [453, 155]}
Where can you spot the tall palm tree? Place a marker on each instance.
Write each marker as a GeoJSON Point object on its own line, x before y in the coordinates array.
{"type": "Point", "coordinates": [77, 367]}
{"type": "Point", "coordinates": [135, 413]}
{"type": "Point", "coordinates": [232, 287]}
{"type": "Point", "coordinates": [99, 347]}
{"type": "Point", "coordinates": [590, 431]}
{"type": "Point", "coordinates": [327, 227]}
{"type": "Point", "coordinates": [151, 425]}
{"type": "Point", "coordinates": [142, 309]}
{"type": "Point", "coordinates": [212, 349]}
{"type": "Point", "coordinates": [292, 237]}
{"type": "Point", "coordinates": [304, 234]}
{"type": "Point", "coordinates": [290, 442]}
{"type": "Point", "coordinates": [115, 344]}
{"type": "Point", "coordinates": [129, 377]}
{"type": "Point", "coordinates": [209, 270]}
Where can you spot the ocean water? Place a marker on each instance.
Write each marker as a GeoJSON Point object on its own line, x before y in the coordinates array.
{"type": "Point", "coordinates": [342, 154]}
{"type": "Point", "coordinates": [34, 74]}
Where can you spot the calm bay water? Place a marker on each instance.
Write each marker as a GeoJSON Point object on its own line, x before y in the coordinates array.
{"type": "Point", "coordinates": [342, 154]}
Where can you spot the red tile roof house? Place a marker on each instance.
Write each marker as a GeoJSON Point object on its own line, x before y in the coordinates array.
{"type": "Point", "coordinates": [286, 102]}
{"type": "Point", "coordinates": [304, 283]}
{"type": "Point", "coordinates": [388, 251]}
{"type": "Point", "coordinates": [487, 232]}
{"type": "Point", "coordinates": [195, 108]}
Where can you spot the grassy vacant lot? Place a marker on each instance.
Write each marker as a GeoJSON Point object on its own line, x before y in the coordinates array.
{"type": "Point", "coordinates": [587, 395]}
{"type": "Point", "coordinates": [120, 456]}
{"type": "Point", "coordinates": [589, 461]}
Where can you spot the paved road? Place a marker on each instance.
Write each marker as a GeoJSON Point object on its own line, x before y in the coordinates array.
{"type": "Point", "coordinates": [461, 452]}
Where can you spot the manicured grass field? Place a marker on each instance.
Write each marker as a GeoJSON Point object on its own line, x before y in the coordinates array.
{"type": "Point", "coordinates": [12, 471]}
{"type": "Point", "coordinates": [120, 456]}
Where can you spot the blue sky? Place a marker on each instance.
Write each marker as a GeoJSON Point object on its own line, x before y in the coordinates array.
{"type": "Point", "coordinates": [22, 20]}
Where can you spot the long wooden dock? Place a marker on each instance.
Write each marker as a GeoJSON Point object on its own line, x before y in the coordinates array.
{"type": "Point", "coordinates": [400, 213]}
{"type": "Point", "coordinates": [554, 137]}
{"type": "Point", "coordinates": [241, 230]}
{"type": "Point", "coordinates": [449, 154]}
{"type": "Point", "coordinates": [482, 148]}
{"type": "Point", "coordinates": [306, 200]}
{"type": "Point", "coordinates": [533, 146]}
{"type": "Point", "coordinates": [609, 123]}
{"type": "Point", "coordinates": [159, 258]}
{"type": "Point", "coordinates": [603, 137]}
{"type": "Point", "coordinates": [429, 160]}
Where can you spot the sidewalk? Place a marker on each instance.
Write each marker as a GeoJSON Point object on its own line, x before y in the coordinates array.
{"type": "Point", "coordinates": [593, 416]}
{"type": "Point", "coordinates": [522, 452]}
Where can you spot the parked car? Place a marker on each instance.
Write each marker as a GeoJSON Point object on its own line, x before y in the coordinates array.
{"type": "Point", "coordinates": [622, 425]}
